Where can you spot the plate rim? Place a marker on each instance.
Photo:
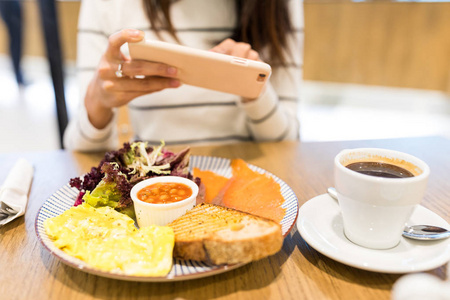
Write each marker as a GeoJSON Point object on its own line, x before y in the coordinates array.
{"type": "Point", "coordinates": [83, 266]}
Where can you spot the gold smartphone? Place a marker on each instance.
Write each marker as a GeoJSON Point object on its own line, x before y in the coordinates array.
{"type": "Point", "coordinates": [207, 69]}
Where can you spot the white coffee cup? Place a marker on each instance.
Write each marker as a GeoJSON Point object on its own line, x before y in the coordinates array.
{"type": "Point", "coordinates": [375, 209]}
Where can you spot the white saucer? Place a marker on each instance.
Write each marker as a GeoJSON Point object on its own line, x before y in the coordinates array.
{"type": "Point", "coordinates": [320, 224]}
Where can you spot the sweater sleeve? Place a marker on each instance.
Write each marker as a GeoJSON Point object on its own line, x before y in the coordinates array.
{"type": "Point", "coordinates": [92, 42]}
{"type": "Point", "coordinates": [265, 117]}
{"type": "Point", "coordinates": [274, 115]}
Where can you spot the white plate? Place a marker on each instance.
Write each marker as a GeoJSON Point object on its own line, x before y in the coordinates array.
{"type": "Point", "coordinates": [321, 226]}
{"type": "Point", "coordinates": [64, 199]}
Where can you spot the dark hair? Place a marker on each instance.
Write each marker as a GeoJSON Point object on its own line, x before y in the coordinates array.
{"type": "Point", "coordinates": [261, 23]}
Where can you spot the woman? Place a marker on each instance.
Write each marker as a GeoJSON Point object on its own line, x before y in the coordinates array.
{"type": "Point", "coordinates": [162, 108]}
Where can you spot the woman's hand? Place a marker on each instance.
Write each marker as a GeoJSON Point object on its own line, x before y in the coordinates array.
{"type": "Point", "coordinates": [107, 90]}
{"type": "Point", "coordinates": [238, 49]}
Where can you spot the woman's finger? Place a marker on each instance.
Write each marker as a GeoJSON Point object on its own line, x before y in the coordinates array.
{"type": "Point", "coordinates": [224, 47]}
{"type": "Point", "coordinates": [146, 85]}
{"type": "Point", "coordinates": [134, 68]}
{"type": "Point", "coordinates": [117, 39]}
{"type": "Point", "coordinates": [241, 50]}
{"type": "Point", "coordinates": [238, 49]}
{"type": "Point", "coordinates": [107, 69]}
{"type": "Point", "coordinates": [253, 55]}
{"type": "Point", "coordinates": [119, 92]}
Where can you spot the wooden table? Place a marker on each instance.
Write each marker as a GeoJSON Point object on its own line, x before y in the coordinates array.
{"type": "Point", "coordinates": [28, 271]}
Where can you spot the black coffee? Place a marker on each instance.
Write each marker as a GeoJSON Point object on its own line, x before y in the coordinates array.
{"type": "Point", "coordinates": [380, 169]}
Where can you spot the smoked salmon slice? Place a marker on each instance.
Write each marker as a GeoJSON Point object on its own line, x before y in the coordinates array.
{"type": "Point", "coordinates": [213, 183]}
{"type": "Point", "coordinates": [253, 192]}
{"type": "Point", "coordinates": [246, 190]}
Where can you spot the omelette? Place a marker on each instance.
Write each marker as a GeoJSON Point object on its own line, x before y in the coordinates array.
{"type": "Point", "coordinates": [108, 240]}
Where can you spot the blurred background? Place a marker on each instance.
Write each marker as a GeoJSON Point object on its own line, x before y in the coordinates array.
{"type": "Point", "coordinates": [372, 69]}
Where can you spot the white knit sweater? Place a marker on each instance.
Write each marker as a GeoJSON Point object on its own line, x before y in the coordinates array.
{"type": "Point", "coordinates": [186, 115]}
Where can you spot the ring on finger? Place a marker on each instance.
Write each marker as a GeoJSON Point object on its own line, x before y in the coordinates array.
{"type": "Point", "coordinates": [119, 72]}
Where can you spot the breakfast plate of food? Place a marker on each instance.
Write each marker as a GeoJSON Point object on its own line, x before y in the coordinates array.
{"type": "Point", "coordinates": [241, 209]}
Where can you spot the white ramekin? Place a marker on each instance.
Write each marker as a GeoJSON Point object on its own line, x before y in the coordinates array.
{"type": "Point", "coordinates": [161, 214]}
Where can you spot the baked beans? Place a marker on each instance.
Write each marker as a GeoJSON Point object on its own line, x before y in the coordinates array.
{"type": "Point", "coordinates": [164, 192]}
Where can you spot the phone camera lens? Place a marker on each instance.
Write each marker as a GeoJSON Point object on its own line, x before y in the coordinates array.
{"type": "Point", "coordinates": [261, 77]}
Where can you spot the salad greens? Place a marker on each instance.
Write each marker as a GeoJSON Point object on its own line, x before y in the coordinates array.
{"type": "Point", "coordinates": [110, 183]}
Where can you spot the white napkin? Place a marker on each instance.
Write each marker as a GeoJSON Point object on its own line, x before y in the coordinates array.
{"type": "Point", "coordinates": [14, 191]}
{"type": "Point", "coordinates": [421, 286]}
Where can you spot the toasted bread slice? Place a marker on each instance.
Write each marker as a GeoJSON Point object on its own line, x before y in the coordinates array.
{"type": "Point", "coordinates": [219, 235]}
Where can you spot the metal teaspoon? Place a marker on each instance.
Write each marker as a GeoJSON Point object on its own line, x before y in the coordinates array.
{"type": "Point", "coordinates": [416, 232]}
